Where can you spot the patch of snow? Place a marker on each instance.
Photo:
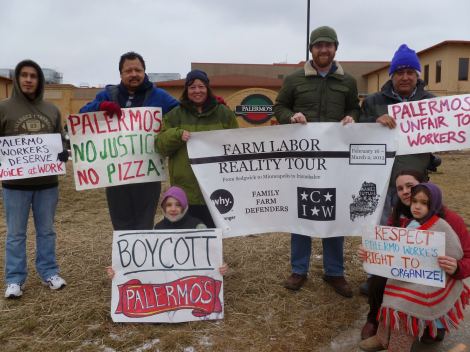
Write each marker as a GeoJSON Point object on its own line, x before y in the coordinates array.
{"type": "Point", "coordinates": [147, 345]}
{"type": "Point", "coordinates": [205, 341]}
{"type": "Point", "coordinates": [108, 349]}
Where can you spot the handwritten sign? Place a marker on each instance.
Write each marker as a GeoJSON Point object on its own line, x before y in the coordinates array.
{"type": "Point", "coordinates": [111, 151]}
{"type": "Point", "coordinates": [405, 254]}
{"type": "Point", "coordinates": [319, 179]}
{"type": "Point", "coordinates": [28, 156]}
{"type": "Point", "coordinates": [432, 125]}
{"type": "Point", "coordinates": [167, 276]}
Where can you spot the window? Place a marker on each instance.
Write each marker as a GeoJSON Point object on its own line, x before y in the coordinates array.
{"type": "Point", "coordinates": [463, 69]}
{"type": "Point", "coordinates": [426, 74]}
{"type": "Point", "coordinates": [280, 76]}
{"type": "Point", "coordinates": [438, 71]}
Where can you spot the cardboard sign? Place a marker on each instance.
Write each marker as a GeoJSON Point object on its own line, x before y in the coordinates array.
{"type": "Point", "coordinates": [32, 155]}
{"type": "Point", "coordinates": [111, 151]}
{"type": "Point", "coordinates": [405, 254]}
{"type": "Point", "coordinates": [319, 179]}
{"type": "Point", "coordinates": [167, 276]}
{"type": "Point", "coordinates": [432, 125]}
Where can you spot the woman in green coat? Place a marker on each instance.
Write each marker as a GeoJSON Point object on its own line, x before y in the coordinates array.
{"type": "Point", "coordinates": [199, 110]}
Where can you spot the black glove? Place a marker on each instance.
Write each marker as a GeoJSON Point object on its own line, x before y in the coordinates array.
{"type": "Point", "coordinates": [63, 156]}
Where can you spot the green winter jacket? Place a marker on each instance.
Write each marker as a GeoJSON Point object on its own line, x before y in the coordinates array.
{"type": "Point", "coordinates": [320, 99]}
{"type": "Point", "coordinates": [168, 142]}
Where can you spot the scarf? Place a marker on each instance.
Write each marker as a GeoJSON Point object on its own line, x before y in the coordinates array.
{"type": "Point", "coordinates": [138, 97]}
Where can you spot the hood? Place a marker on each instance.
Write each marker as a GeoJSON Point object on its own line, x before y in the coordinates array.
{"type": "Point", "coordinates": [17, 93]}
{"type": "Point", "coordinates": [336, 69]}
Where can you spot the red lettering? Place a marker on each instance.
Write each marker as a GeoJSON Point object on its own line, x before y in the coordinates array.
{"type": "Point", "coordinates": [17, 172]}
{"type": "Point", "coordinates": [139, 166]}
{"type": "Point", "coordinates": [136, 117]}
{"type": "Point", "coordinates": [148, 120]}
{"type": "Point", "coordinates": [74, 121]}
{"type": "Point", "coordinates": [88, 176]}
{"type": "Point", "coordinates": [158, 120]}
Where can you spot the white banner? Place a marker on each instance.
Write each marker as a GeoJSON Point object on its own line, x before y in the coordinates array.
{"type": "Point", "coordinates": [31, 155]}
{"type": "Point", "coordinates": [405, 254]}
{"type": "Point", "coordinates": [111, 151]}
{"type": "Point", "coordinates": [432, 125]}
{"type": "Point", "coordinates": [167, 276]}
{"type": "Point", "coordinates": [319, 179]}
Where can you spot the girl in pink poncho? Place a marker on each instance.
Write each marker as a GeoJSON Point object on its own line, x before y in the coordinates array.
{"type": "Point", "coordinates": [409, 308]}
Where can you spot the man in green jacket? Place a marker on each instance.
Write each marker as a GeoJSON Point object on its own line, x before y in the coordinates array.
{"type": "Point", "coordinates": [320, 92]}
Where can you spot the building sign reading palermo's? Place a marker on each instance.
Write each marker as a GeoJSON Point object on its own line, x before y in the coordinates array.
{"type": "Point", "coordinates": [255, 108]}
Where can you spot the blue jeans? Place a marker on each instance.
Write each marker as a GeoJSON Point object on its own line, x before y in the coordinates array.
{"type": "Point", "coordinates": [17, 204]}
{"type": "Point", "coordinates": [301, 249]}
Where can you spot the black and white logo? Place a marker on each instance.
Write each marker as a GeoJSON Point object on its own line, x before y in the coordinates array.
{"type": "Point", "coordinates": [317, 204]}
{"type": "Point", "coordinates": [223, 200]}
{"type": "Point", "coordinates": [365, 202]}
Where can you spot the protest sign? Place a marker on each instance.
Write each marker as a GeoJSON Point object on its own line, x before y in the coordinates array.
{"type": "Point", "coordinates": [405, 254]}
{"type": "Point", "coordinates": [32, 155]}
{"type": "Point", "coordinates": [111, 151]}
{"type": "Point", "coordinates": [167, 276]}
{"type": "Point", "coordinates": [432, 125]}
{"type": "Point", "coordinates": [319, 179]}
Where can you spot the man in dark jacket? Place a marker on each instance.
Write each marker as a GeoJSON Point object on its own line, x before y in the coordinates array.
{"type": "Point", "coordinates": [404, 85]}
{"type": "Point", "coordinates": [320, 92]}
{"type": "Point", "coordinates": [132, 206]}
{"type": "Point", "coordinates": [26, 112]}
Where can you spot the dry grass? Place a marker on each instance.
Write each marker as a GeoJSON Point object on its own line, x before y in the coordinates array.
{"type": "Point", "coordinates": [260, 315]}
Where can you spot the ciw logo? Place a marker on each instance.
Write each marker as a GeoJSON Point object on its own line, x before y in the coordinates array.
{"type": "Point", "coordinates": [223, 200]}
{"type": "Point", "coordinates": [317, 204]}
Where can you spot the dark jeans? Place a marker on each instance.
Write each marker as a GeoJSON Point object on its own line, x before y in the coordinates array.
{"type": "Point", "coordinates": [133, 207]}
{"type": "Point", "coordinates": [376, 295]}
{"type": "Point", "coordinates": [201, 212]}
{"type": "Point", "coordinates": [333, 254]}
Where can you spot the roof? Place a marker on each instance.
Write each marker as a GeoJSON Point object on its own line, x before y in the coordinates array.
{"type": "Point", "coordinates": [300, 63]}
{"type": "Point", "coordinates": [438, 45]}
{"type": "Point", "coordinates": [59, 85]}
{"type": "Point", "coordinates": [5, 79]}
{"type": "Point", "coordinates": [244, 64]}
{"type": "Point", "coordinates": [231, 81]}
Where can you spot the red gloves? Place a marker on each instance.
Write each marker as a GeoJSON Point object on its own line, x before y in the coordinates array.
{"type": "Point", "coordinates": [111, 108]}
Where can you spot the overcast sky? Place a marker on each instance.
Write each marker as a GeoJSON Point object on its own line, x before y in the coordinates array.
{"type": "Point", "coordinates": [83, 39]}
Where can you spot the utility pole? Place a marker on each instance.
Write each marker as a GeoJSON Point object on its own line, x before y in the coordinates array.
{"type": "Point", "coordinates": [308, 29]}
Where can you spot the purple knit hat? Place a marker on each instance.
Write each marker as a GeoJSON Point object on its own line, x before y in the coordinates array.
{"type": "Point", "coordinates": [435, 201]}
{"type": "Point", "coordinates": [404, 57]}
{"type": "Point", "coordinates": [178, 194]}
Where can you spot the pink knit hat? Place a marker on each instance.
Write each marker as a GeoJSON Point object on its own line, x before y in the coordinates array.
{"type": "Point", "coordinates": [178, 194]}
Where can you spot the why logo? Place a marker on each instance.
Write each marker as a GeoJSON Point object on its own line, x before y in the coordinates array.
{"type": "Point", "coordinates": [317, 204]}
{"type": "Point", "coordinates": [223, 200]}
